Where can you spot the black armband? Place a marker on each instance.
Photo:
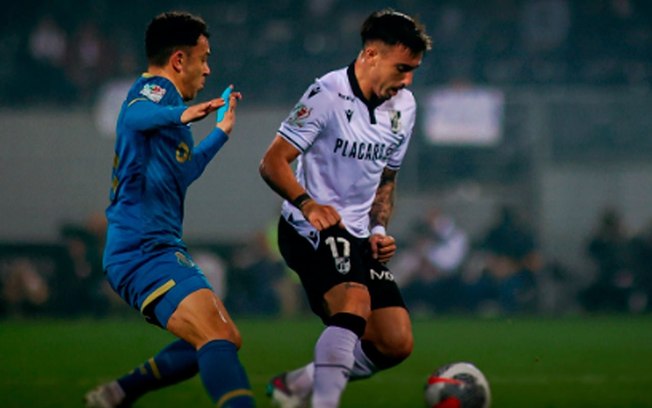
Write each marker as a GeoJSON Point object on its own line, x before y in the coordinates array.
{"type": "Point", "coordinates": [301, 200]}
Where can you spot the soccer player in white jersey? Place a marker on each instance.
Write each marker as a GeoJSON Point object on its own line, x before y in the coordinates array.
{"type": "Point", "coordinates": [349, 134]}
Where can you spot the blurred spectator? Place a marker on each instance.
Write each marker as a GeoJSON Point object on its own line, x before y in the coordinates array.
{"type": "Point", "coordinates": [607, 248]}
{"type": "Point", "coordinates": [497, 56]}
{"type": "Point", "coordinates": [429, 267]}
{"type": "Point", "coordinates": [320, 8]}
{"type": "Point", "coordinates": [511, 262]}
{"type": "Point", "coordinates": [48, 47]}
{"type": "Point", "coordinates": [544, 27]}
{"type": "Point", "coordinates": [23, 288]}
{"type": "Point", "coordinates": [455, 35]}
{"type": "Point", "coordinates": [83, 289]}
{"type": "Point", "coordinates": [214, 268]}
{"type": "Point", "coordinates": [640, 248]}
{"type": "Point", "coordinates": [48, 42]}
{"type": "Point", "coordinates": [632, 33]}
{"type": "Point", "coordinates": [501, 42]}
{"type": "Point", "coordinates": [254, 273]}
{"type": "Point", "coordinates": [287, 285]}
{"type": "Point", "coordinates": [544, 24]}
{"type": "Point", "coordinates": [90, 60]}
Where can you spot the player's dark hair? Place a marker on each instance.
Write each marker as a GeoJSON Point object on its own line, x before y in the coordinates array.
{"type": "Point", "coordinates": [170, 31]}
{"type": "Point", "coordinates": [393, 27]}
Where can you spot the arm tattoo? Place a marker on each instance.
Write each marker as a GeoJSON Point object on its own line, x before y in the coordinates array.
{"type": "Point", "coordinates": [383, 204]}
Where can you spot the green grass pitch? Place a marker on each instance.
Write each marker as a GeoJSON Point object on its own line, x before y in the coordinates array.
{"type": "Point", "coordinates": [570, 362]}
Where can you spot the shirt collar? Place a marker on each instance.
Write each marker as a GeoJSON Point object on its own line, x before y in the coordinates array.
{"type": "Point", "coordinates": [372, 103]}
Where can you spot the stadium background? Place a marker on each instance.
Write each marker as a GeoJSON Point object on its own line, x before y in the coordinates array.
{"type": "Point", "coordinates": [574, 77]}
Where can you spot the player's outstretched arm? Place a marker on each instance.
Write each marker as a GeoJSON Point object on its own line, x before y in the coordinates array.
{"type": "Point", "coordinates": [204, 152]}
{"type": "Point", "coordinates": [199, 111]}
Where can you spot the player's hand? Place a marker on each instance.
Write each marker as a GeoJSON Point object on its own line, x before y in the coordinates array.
{"type": "Point", "coordinates": [383, 247]}
{"type": "Point", "coordinates": [321, 216]}
{"type": "Point", "coordinates": [199, 111]}
{"type": "Point", "coordinates": [228, 122]}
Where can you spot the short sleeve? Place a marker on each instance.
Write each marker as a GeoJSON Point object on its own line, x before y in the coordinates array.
{"type": "Point", "coordinates": [308, 117]}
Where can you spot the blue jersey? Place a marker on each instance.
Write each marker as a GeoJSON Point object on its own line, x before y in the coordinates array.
{"type": "Point", "coordinates": [155, 162]}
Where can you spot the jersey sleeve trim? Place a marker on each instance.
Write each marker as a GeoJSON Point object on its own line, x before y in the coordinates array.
{"type": "Point", "coordinates": [292, 142]}
{"type": "Point", "coordinates": [137, 100]}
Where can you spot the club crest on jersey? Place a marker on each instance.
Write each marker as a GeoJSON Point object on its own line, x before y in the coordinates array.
{"type": "Point", "coordinates": [299, 115]}
{"type": "Point", "coordinates": [183, 152]}
{"type": "Point", "coordinates": [343, 264]}
{"type": "Point", "coordinates": [153, 92]}
{"type": "Point", "coordinates": [395, 119]}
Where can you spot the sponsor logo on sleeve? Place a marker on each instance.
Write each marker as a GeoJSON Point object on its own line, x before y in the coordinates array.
{"type": "Point", "coordinates": [299, 115]}
{"type": "Point", "coordinates": [153, 92]}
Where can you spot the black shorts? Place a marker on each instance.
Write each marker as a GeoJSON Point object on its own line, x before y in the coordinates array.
{"type": "Point", "coordinates": [339, 257]}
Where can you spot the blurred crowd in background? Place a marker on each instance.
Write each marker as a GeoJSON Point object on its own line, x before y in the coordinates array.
{"type": "Point", "coordinates": [439, 266]}
{"type": "Point", "coordinates": [65, 52]}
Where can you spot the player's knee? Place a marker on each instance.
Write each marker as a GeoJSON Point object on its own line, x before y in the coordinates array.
{"type": "Point", "coordinates": [397, 347]}
{"type": "Point", "coordinates": [386, 355]}
{"type": "Point", "coordinates": [236, 339]}
{"type": "Point", "coordinates": [217, 330]}
{"type": "Point", "coordinates": [389, 350]}
{"type": "Point", "coordinates": [201, 329]}
{"type": "Point", "coordinates": [402, 350]}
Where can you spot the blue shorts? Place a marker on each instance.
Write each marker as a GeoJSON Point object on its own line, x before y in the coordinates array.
{"type": "Point", "coordinates": [155, 283]}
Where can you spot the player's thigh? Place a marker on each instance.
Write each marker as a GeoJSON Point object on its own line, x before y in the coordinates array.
{"type": "Point", "coordinates": [390, 330]}
{"type": "Point", "coordinates": [332, 269]}
{"type": "Point", "coordinates": [348, 297]}
{"type": "Point", "coordinates": [201, 317]}
{"type": "Point", "coordinates": [389, 326]}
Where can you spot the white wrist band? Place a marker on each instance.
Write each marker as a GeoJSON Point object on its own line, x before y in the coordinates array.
{"type": "Point", "coordinates": [379, 230]}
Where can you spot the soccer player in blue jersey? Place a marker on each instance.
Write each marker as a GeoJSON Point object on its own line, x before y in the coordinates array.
{"type": "Point", "coordinates": [145, 259]}
{"type": "Point", "coordinates": [349, 134]}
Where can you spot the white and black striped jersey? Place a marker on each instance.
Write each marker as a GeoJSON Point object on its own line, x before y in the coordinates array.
{"type": "Point", "coordinates": [345, 142]}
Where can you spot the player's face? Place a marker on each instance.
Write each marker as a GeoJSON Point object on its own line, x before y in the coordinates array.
{"type": "Point", "coordinates": [195, 69]}
{"type": "Point", "coordinates": [393, 70]}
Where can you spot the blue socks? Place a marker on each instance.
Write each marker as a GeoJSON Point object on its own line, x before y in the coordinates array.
{"type": "Point", "coordinates": [175, 363]}
{"type": "Point", "coordinates": [223, 376]}
{"type": "Point", "coordinates": [217, 362]}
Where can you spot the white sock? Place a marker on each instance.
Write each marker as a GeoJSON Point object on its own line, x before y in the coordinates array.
{"type": "Point", "coordinates": [363, 367]}
{"type": "Point", "coordinates": [333, 363]}
{"type": "Point", "coordinates": [300, 381]}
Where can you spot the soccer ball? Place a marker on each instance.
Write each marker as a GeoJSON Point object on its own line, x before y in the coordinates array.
{"type": "Point", "coordinates": [457, 385]}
